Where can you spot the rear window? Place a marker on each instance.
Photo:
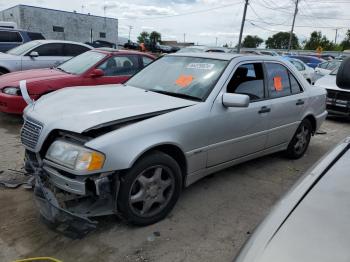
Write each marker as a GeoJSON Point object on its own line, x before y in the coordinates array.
{"type": "Point", "coordinates": [10, 37]}
{"type": "Point", "coordinates": [35, 36]}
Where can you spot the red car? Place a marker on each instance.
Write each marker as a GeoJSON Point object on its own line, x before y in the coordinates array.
{"type": "Point", "coordinates": [95, 67]}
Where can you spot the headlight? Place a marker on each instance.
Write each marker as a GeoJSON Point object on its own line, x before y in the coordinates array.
{"type": "Point", "coordinates": [12, 90]}
{"type": "Point", "coordinates": [74, 156]}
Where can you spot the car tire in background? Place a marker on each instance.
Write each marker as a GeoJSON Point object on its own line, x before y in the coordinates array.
{"type": "Point", "coordinates": [300, 141]}
{"type": "Point", "coordinates": [150, 189]}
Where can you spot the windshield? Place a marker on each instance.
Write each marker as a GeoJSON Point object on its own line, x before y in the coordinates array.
{"type": "Point", "coordinates": [334, 72]}
{"type": "Point", "coordinates": [186, 77]}
{"type": "Point", "coordinates": [79, 64]}
{"type": "Point", "coordinates": [22, 49]}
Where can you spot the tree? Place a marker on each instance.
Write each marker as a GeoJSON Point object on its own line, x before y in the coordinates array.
{"type": "Point", "coordinates": [281, 40]}
{"type": "Point", "coordinates": [143, 37]}
{"type": "Point", "coordinates": [345, 44]}
{"type": "Point", "coordinates": [155, 37]}
{"type": "Point", "coordinates": [317, 40]}
{"type": "Point", "coordinates": [251, 41]}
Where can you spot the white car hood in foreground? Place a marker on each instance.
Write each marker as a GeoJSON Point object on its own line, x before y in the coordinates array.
{"type": "Point", "coordinates": [329, 82]}
{"type": "Point", "coordinates": [80, 108]}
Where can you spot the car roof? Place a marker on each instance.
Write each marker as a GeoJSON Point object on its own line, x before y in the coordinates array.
{"type": "Point", "coordinates": [16, 30]}
{"type": "Point", "coordinates": [45, 41]}
{"type": "Point", "coordinates": [228, 56]}
{"type": "Point", "coordinates": [108, 50]}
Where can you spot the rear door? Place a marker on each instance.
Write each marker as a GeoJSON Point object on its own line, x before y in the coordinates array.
{"type": "Point", "coordinates": [237, 132]}
{"type": "Point", "coordinates": [50, 55]}
{"type": "Point", "coordinates": [287, 101]}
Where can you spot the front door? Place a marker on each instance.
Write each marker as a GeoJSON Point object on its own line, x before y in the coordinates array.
{"type": "Point", "coordinates": [238, 132]}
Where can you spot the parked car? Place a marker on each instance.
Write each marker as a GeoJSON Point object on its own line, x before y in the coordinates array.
{"type": "Point", "coordinates": [311, 222]}
{"type": "Point", "coordinates": [39, 54]}
{"type": "Point", "coordinates": [101, 43]}
{"type": "Point", "coordinates": [309, 60]}
{"type": "Point", "coordinates": [268, 52]}
{"type": "Point", "coordinates": [200, 49]}
{"type": "Point", "coordinates": [338, 94]}
{"type": "Point", "coordinates": [307, 72]}
{"type": "Point", "coordinates": [323, 56]}
{"type": "Point", "coordinates": [132, 45]}
{"type": "Point", "coordinates": [96, 67]}
{"type": "Point", "coordinates": [325, 68]}
{"type": "Point", "coordinates": [130, 149]}
{"type": "Point", "coordinates": [11, 38]}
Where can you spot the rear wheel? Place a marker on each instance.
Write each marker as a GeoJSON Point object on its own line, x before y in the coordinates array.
{"type": "Point", "coordinates": [300, 141]}
{"type": "Point", "coordinates": [150, 189]}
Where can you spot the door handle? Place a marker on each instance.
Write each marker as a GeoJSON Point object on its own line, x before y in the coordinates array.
{"type": "Point", "coordinates": [300, 102]}
{"type": "Point", "coordinates": [264, 109]}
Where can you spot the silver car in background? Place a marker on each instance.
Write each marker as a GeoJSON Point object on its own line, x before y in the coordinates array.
{"type": "Point", "coordinates": [311, 222]}
{"type": "Point", "coordinates": [39, 54]}
{"type": "Point", "coordinates": [130, 149]}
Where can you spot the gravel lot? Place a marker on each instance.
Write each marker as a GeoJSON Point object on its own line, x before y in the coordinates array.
{"type": "Point", "coordinates": [210, 222]}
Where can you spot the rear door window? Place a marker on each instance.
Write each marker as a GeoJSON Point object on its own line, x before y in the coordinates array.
{"type": "Point", "coordinates": [248, 79]}
{"type": "Point", "coordinates": [10, 37]}
{"type": "Point", "coordinates": [74, 50]}
{"type": "Point", "coordinates": [277, 80]}
{"type": "Point", "coordinates": [295, 86]}
{"type": "Point", "coordinates": [52, 49]}
{"type": "Point", "coordinates": [120, 65]}
{"type": "Point", "coordinates": [35, 36]}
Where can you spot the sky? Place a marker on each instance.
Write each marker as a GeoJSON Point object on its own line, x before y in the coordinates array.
{"type": "Point", "coordinates": [211, 21]}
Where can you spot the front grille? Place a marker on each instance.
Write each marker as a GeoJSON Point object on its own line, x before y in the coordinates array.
{"type": "Point", "coordinates": [338, 101]}
{"type": "Point", "coordinates": [30, 133]}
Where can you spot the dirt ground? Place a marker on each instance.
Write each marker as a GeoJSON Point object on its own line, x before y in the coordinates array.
{"type": "Point", "coordinates": [211, 221]}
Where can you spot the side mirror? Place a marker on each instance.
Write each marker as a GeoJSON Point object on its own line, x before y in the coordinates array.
{"type": "Point", "coordinates": [235, 100]}
{"type": "Point", "coordinates": [97, 73]}
{"type": "Point", "coordinates": [343, 76]}
{"type": "Point", "coordinates": [34, 54]}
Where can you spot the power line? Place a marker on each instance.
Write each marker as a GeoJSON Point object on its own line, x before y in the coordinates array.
{"type": "Point", "coordinates": [190, 13]}
{"type": "Point", "coordinates": [305, 26]}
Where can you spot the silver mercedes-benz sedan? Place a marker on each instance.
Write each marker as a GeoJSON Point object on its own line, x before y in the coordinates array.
{"type": "Point", "coordinates": [130, 149]}
{"type": "Point", "coordinates": [39, 54]}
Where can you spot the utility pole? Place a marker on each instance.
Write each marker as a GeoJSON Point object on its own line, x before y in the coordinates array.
{"type": "Point", "coordinates": [130, 27]}
{"type": "Point", "coordinates": [291, 31]}
{"type": "Point", "coordinates": [184, 37]}
{"type": "Point", "coordinates": [336, 35]}
{"type": "Point", "coordinates": [216, 41]}
{"type": "Point", "coordinates": [242, 26]}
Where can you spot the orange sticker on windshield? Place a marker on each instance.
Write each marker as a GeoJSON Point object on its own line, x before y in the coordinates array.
{"type": "Point", "coordinates": [277, 83]}
{"type": "Point", "coordinates": [184, 80]}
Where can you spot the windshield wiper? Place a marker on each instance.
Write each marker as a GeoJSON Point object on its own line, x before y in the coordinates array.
{"type": "Point", "coordinates": [177, 95]}
{"type": "Point", "coordinates": [59, 68]}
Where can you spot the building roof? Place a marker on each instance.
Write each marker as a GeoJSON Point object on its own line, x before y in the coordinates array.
{"type": "Point", "coordinates": [50, 9]}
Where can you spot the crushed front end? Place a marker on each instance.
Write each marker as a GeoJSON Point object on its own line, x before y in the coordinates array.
{"type": "Point", "coordinates": [67, 199]}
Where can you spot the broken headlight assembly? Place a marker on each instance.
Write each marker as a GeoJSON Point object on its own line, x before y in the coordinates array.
{"type": "Point", "coordinates": [12, 90]}
{"type": "Point", "coordinates": [74, 156]}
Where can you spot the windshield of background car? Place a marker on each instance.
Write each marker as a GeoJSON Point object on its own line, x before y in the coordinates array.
{"type": "Point", "coordinates": [22, 49]}
{"type": "Point", "coordinates": [79, 64]}
{"type": "Point", "coordinates": [189, 77]}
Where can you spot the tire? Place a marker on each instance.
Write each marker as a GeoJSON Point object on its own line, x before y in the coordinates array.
{"type": "Point", "coordinates": [150, 189]}
{"type": "Point", "coordinates": [300, 141]}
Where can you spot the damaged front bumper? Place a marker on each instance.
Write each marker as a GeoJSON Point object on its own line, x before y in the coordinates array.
{"type": "Point", "coordinates": [57, 218]}
{"type": "Point", "coordinates": [67, 204]}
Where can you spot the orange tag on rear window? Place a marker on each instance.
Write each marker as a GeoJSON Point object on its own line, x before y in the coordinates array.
{"type": "Point", "coordinates": [184, 80]}
{"type": "Point", "coordinates": [277, 83]}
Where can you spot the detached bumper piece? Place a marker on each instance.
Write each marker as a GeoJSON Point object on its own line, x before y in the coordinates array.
{"type": "Point", "coordinates": [57, 218]}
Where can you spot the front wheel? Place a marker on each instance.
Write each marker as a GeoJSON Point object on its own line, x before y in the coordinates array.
{"type": "Point", "coordinates": [300, 140]}
{"type": "Point", "coordinates": [150, 189]}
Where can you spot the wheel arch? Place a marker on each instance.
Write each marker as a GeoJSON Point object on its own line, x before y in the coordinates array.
{"type": "Point", "coordinates": [172, 150]}
{"type": "Point", "coordinates": [313, 122]}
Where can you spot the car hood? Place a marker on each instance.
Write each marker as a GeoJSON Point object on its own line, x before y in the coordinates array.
{"type": "Point", "coordinates": [80, 109]}
{"type": "Point", "coordinates": [329, 82]}
{"type": "Point", "coordinates": [12, 79]}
